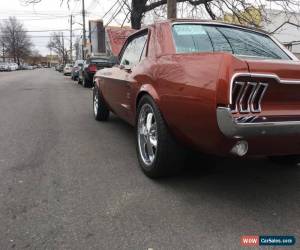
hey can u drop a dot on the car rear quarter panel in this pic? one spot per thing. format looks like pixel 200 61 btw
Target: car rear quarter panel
pixel 190 86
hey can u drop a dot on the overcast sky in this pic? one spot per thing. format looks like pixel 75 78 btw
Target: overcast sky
pixel 50 15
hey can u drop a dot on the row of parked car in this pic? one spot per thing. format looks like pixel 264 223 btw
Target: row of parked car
pixel 83 71
pixel 7 66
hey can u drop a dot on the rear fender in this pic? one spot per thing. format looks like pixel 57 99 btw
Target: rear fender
pixel 230 65
pixel 146 89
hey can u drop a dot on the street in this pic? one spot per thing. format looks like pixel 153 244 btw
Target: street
pixel 70 182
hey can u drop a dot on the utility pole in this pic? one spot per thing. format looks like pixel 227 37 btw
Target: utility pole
pixel 63 47
pixel 3 52
pixel 71 35
pixel 83 30
pixel 171 8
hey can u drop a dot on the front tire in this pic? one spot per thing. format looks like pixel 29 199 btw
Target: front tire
pixel 101 111
pixel 85 83
pixel 158 153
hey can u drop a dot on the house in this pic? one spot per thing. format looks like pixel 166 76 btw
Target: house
pixel 285 27
pixel 104 40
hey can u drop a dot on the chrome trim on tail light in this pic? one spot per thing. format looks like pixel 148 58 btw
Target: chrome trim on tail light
pixel 236 94
pixel 259 75
pixel 247 96
pixel 244 102
pixel 259 93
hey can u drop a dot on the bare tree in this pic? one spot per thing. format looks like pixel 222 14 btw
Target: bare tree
pixel 15 39
pixel 241 11
pixel 57 45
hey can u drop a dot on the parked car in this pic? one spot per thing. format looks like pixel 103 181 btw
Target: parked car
pixel 13 66
pixel 60 68
pixel 217 88
pixel 89 68
pixel 4 66
pixel 68 69
pixel 75 70
pixel 30 67
pixel 22 67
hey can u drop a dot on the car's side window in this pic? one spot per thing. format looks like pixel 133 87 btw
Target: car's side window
pixel 133 51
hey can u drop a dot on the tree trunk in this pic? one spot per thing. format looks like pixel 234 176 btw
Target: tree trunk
pixel 171 9
pixel 136 19
pixel 137 11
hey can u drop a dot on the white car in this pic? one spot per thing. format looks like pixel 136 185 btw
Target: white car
pixel 68 69
pixel 4 66
pixel 13 66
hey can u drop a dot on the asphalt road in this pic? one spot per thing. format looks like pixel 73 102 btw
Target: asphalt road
pixel 69 182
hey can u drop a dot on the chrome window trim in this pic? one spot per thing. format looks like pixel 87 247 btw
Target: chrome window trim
pixel 289 53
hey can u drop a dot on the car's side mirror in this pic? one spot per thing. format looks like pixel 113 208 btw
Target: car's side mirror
pixel 126 67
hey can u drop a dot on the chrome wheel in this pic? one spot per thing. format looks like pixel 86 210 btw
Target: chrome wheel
pixel 96 103
pixel 147 134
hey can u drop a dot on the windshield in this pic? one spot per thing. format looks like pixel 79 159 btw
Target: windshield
pixel 191 38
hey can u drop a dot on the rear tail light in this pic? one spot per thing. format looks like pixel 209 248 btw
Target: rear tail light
pixel 92 68
pixel 247 96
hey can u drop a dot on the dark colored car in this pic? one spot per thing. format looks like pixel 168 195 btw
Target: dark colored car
pixel 216 88
pixel 76 68
pixel 59 68
pixel 89 68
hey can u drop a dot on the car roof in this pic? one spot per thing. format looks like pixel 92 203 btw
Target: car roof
pixel 213 22
pixel 201 21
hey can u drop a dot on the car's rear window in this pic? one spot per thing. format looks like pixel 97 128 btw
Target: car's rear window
pixel 190 38
pixel 99 60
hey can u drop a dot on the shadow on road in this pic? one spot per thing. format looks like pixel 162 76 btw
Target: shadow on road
pixel 243 179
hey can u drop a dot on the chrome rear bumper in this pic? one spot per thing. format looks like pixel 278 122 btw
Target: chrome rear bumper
pixel 234 129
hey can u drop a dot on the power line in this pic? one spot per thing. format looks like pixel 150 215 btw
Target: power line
pixel 39 36
pixel 36 19
pixel 38 31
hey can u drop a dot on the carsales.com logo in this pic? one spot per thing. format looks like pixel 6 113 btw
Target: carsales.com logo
pixel 254 240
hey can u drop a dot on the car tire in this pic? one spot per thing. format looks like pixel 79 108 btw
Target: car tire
pixel 290 160
pixel 158 153
pixel 85 83
pixel 101 111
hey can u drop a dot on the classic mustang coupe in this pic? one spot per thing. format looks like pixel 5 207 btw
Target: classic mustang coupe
pixel 217 88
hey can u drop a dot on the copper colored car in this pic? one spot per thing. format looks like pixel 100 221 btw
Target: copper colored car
pixel 213 87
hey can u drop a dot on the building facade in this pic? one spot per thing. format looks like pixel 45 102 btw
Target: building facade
pixel 285 27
